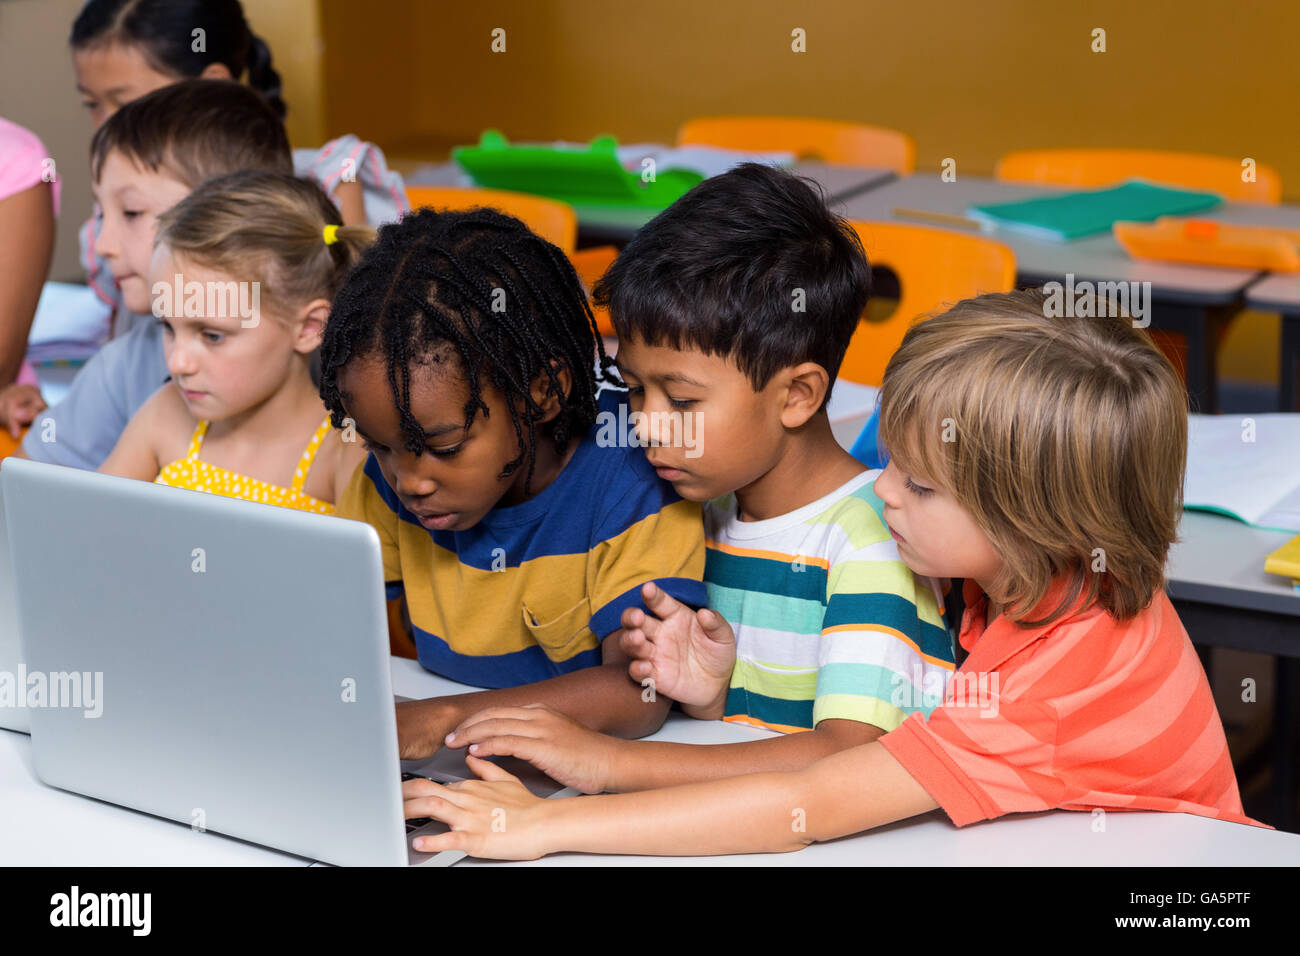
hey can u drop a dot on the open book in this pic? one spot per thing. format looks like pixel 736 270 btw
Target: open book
pixel 1245 466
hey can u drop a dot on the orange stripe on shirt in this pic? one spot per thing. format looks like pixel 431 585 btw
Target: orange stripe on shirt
pixel 813 560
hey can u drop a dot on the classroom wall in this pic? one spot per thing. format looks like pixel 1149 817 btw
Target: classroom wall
pixel 967 81
pixel 38 90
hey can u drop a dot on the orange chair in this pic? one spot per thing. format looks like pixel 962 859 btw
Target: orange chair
pixel 1101 167
pixel 9 444
pixel 935 268
pixel 830 141
pixel 553 220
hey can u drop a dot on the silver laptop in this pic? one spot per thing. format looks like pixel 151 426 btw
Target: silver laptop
pixel 13 676
pixel 216 662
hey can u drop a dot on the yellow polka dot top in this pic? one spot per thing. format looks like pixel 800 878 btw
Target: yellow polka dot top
pixel 190 472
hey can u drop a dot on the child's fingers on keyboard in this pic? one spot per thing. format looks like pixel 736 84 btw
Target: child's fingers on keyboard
pixel 418 787
pixel 438 842
pixel 495 726
pixel 496 713
pixel 509 745
pixel 430 804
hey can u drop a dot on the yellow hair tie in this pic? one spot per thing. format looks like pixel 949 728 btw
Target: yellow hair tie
pixel 331 235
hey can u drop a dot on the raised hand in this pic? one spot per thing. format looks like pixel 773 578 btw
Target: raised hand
pixel 688 654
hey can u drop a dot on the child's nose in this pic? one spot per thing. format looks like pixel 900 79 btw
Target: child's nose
pixel 106 242
pixel 887 486
pixel 409 481
pixel 180 361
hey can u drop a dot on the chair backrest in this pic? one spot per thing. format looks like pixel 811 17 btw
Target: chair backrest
pixel 553 220
pixel 830 141
pixel 935 268
pixel 1101 167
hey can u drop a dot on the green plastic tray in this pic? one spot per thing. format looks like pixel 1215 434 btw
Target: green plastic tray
pixel 582 177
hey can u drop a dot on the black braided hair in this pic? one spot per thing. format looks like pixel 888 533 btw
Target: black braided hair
pixel 479 285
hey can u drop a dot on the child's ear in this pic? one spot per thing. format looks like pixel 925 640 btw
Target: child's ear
pixel 215 71
pixel 310 320
pixel 547 399
pixel 805 387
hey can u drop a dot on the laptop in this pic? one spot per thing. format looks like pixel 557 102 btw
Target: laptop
pixel 13 676
pixel 217 662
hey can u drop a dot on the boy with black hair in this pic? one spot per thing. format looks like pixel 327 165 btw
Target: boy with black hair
pixel 734 309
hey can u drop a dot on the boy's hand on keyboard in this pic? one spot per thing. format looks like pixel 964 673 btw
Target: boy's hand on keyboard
pixel 688 654
pixel 19 406
pixel 494 817
pixel 422 726
pixel 554 743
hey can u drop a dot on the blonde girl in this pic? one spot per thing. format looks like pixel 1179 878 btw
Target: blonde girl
pixel 241 279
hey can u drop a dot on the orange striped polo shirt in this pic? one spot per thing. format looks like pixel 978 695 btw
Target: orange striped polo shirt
pixel 1085 712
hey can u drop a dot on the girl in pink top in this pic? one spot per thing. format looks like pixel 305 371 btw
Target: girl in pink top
pixel 29 203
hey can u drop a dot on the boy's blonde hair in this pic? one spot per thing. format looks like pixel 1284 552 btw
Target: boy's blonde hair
pixel 268 227
pixel 1064 438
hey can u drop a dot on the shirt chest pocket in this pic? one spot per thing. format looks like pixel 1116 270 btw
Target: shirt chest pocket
pixel 561 634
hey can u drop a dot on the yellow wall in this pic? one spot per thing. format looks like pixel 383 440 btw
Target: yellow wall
pixel 292 30
pixel 968 80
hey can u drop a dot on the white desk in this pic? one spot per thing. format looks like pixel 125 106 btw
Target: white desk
pixel 43 826
pixel 1059 838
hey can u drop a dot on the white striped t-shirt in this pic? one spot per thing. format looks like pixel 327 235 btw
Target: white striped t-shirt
pixel 829 621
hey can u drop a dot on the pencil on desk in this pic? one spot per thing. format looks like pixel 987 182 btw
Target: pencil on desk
pixel 937 218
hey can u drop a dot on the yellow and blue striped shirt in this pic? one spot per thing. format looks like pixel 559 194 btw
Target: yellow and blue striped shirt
pixel 530 591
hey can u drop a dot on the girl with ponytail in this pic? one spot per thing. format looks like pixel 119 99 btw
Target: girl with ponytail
pixel 242 276
pixel 141 45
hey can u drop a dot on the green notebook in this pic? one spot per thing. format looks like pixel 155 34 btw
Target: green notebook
pixel 582 177
pixel 1085 213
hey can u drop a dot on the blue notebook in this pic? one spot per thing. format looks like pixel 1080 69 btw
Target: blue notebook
pixel 1088 212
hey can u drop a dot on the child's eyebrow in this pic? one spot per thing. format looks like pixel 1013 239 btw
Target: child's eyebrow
pixel 113 92
pixel 666 377
pixel 434 432
pixel 205 320
pixel 437 430
pixel 679 377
